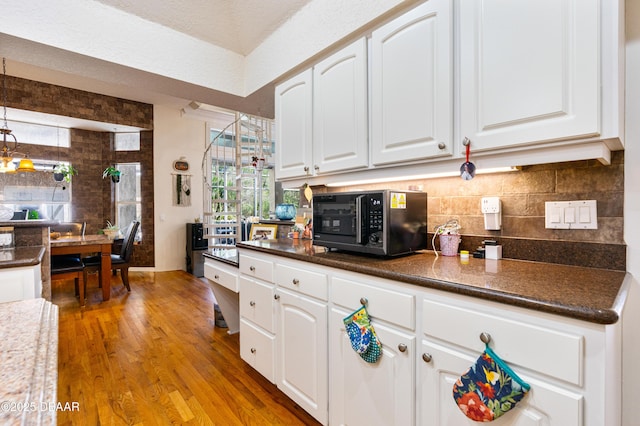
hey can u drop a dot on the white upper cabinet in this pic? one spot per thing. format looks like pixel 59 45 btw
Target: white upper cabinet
pixel 321 116
pixel 411 86
pixel 529 71
pixel 340 139
pixel 294 128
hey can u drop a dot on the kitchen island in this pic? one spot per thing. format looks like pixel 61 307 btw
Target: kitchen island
pixel 31 235
pixel 29 359
pixel 559 327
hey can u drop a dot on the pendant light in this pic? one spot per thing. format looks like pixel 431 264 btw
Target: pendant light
pixel 7 166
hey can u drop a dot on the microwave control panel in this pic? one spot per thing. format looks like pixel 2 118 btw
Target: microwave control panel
pixel 375 218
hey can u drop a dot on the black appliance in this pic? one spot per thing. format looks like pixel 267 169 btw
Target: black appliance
pixel 384 222
pixel 197 244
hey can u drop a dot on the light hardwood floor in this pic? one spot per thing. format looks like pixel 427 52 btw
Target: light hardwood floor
pixel 154 357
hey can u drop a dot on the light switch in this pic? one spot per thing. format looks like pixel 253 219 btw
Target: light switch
pixel 585 214
pixel 571 214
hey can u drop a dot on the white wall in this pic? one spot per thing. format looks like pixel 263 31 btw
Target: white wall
pixel 175 137
pixel 631 334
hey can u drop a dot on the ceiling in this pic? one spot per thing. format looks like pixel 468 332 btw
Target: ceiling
pixel 238 26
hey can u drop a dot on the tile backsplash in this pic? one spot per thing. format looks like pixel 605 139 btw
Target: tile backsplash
pixel 523 194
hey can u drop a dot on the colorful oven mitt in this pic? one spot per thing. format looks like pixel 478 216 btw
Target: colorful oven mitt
pixel 488 389
pixel 362 335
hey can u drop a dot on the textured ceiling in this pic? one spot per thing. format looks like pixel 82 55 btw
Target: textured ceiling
pixel 236 25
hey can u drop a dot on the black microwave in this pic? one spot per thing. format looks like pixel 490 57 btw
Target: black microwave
pixel 382 222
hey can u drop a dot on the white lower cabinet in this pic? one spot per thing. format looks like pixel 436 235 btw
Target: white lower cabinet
pixel 371 394
pixel 292 331
pixel 302 352
pixel 20 283
pixel 563 360
pixel 258 314
pixel 440 367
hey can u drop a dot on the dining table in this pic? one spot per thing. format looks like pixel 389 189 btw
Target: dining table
pixel 85 245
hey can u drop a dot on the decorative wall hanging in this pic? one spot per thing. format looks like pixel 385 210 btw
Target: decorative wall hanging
pixel 181 190
pixel 181 165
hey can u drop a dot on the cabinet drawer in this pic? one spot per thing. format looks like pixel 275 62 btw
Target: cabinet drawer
pixel 256 303
pixel 255 267
pixel 225 278
pixel 307 282
pixel 547 351
pixel 257 348
pixel 388 305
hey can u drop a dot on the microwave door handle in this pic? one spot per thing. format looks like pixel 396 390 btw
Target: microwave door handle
pixel 359 219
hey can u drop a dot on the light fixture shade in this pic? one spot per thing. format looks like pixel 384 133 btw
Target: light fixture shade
pixel 26 165
pixel 8 168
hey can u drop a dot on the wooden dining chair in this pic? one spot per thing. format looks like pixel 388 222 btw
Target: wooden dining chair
pixel 119 261
pixel 69 268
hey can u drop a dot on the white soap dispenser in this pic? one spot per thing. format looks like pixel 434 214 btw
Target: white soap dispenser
pixel 491 209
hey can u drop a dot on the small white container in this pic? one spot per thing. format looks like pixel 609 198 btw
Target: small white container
pixel 493 252
pixel 7 238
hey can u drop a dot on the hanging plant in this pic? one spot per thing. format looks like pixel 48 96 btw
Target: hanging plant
pixel 113 173
pixel 64 172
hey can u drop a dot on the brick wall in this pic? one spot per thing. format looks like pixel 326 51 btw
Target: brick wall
pixel 90 153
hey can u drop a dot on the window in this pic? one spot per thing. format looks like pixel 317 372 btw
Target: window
pixel 128 196
pixel 127 141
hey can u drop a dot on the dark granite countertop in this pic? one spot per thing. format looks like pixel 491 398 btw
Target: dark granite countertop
pixel 21 256
pixel 32 223
pixel 587 294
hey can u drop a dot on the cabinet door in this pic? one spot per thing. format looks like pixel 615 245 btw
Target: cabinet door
pixel 529 71
pixel 340 139
pixel 371 394
pixel 294 115
pixel 257 348
pixel 412 104
pixel 256 303
pixel 545 404
pixel 302 352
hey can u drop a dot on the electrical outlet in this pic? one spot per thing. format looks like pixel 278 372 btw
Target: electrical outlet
pixel 490 205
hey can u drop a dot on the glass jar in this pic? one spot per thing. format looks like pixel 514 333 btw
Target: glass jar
pixel 7 238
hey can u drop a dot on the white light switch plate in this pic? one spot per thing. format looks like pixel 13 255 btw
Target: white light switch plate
pixel 571 214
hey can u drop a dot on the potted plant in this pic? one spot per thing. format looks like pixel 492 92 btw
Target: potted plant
pixel 64 172
pixel 449 234
pixel 295 231
pixel 113 173
pixel 111 231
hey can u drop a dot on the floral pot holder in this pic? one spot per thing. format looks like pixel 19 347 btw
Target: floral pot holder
pixel 488 389
pixel 363 337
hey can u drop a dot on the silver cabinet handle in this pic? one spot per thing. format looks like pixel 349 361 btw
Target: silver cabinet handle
pixel 252 303
pixel 276 296
pixel 217 277
pixel 252 268
pixel 485 337
pixel 306 169
pixel 402 347
pixel 296 281
pixel 363 301
pixel 441 145
pixel 426 357
pixel 466 141
pixel 316 167
pixel 253 350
